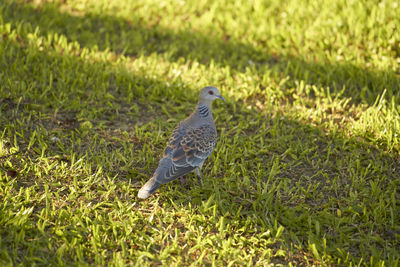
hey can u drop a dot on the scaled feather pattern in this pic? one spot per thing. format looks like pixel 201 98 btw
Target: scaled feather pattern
pixel 190 144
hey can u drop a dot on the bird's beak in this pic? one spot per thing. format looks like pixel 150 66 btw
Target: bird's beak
pixel 221 97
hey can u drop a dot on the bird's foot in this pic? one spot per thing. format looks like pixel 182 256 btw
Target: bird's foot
pixel 199 177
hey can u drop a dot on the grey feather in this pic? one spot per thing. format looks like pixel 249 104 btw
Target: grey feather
pixel 191 142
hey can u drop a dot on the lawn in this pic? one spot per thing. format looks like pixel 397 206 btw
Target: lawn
pixel 307 166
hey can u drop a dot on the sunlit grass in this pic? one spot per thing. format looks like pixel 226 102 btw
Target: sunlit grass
pixel 306 170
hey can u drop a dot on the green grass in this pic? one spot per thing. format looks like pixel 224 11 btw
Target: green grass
pixel 306 170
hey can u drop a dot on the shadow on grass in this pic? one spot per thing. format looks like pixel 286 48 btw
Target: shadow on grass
pixel 325 185
pixel 134 38
pixel 298 195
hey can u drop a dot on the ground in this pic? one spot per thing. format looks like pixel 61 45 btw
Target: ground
pixel 306 169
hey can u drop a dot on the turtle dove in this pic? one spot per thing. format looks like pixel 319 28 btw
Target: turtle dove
pixel 191 142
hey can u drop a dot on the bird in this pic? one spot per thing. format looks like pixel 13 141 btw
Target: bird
pixel 190 144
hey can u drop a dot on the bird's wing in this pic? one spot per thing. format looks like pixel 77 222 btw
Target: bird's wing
pixel 187 149
pixel 195 146
pixel 177 134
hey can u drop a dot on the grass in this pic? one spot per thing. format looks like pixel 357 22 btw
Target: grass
pixel 306 169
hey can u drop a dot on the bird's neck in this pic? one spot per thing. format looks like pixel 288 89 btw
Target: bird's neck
pixel 203 109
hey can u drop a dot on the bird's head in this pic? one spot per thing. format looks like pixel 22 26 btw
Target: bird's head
pixel 209 94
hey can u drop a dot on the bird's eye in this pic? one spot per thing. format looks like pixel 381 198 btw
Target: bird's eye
pixel 210 92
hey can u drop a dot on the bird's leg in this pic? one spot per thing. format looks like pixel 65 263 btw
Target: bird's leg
pixel 200 176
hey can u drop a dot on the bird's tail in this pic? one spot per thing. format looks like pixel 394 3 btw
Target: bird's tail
pixel 149 188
